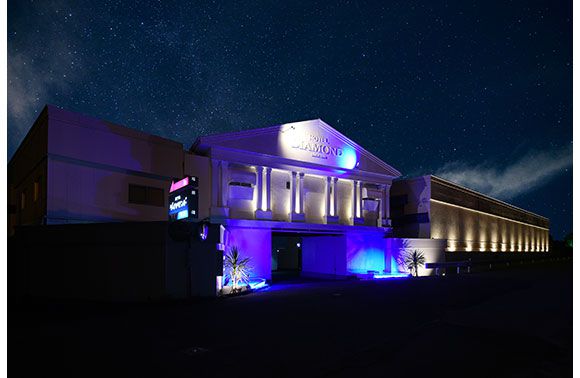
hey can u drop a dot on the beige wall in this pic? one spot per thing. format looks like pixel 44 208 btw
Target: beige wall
pixel 314 199
pixel 468 230
pixel 470 221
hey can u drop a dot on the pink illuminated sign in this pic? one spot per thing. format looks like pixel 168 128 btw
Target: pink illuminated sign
pixel 179 184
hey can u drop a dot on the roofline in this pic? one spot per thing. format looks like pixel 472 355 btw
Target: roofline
pixel 451 183
pixel 35 124
pixel 262 130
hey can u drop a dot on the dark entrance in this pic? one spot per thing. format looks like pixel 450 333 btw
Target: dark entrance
pixel 286 256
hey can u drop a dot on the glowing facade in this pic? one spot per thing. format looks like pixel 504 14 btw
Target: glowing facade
pixel 430 207
pixel 303 178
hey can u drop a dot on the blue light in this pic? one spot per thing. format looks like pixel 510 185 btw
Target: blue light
pixel 389 275
pixel 182 214
pixel 348 159
pixel 257 283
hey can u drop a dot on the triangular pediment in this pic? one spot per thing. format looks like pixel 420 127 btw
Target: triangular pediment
pixel 312 141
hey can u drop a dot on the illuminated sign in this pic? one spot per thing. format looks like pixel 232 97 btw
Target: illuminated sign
pixel 306 141
pixel 183 199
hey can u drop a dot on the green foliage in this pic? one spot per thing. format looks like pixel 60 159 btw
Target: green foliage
pixel 237 268
pixel 413 260
pixel 568 240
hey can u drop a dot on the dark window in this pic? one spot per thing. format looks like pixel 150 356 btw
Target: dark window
pixel 146 195
pixel 36 189
pixel 287 184
pixel 246 184
pixel 155 196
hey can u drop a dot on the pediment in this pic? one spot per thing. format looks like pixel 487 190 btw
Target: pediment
pixel 312 141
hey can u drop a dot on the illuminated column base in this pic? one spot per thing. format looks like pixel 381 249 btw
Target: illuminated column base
pixel 331 219
pixel 263 214
pixel 295 217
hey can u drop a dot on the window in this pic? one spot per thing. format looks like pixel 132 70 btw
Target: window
pixel 146 195
pixel 236 183
pixel 22 200
pixel 36 189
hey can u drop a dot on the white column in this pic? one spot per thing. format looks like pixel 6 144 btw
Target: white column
pixel 301 193
pixel 215 194
pixel 360 199
pixel 328 178
pixel 335 196
pixel 224 184
pixel 259 173
pixel 381 206
pixel 354 202
pixel 293 193
pixel 268 186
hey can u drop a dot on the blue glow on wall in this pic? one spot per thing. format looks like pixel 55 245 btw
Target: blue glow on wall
pixel 366 252
pixel 367 259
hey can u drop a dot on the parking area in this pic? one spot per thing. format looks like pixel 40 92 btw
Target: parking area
pixel 513 322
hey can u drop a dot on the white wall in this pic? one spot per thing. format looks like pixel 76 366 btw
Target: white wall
pixel 280 197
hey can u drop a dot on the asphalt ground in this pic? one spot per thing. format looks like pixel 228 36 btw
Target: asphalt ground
pixel 514 322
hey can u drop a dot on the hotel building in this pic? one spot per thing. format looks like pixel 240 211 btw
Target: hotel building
pixel 301 179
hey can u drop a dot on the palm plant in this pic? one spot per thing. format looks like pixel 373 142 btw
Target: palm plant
pixel 237 268
pixel 413 260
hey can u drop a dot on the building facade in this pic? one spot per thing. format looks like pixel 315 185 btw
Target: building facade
pixel 434 208
pixel 303 179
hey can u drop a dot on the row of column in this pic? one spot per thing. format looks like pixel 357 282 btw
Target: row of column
pixel 264 200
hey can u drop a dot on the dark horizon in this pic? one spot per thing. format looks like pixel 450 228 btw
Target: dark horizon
pixel 475 93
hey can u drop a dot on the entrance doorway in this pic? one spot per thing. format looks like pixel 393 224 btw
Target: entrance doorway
pixel 286 256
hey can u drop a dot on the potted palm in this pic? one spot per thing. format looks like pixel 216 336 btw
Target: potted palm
pixel 237 269
pixel 413 260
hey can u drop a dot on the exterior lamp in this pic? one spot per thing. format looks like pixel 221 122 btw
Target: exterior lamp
pixel 202 230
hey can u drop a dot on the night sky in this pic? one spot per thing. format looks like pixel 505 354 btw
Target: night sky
pixel 476 92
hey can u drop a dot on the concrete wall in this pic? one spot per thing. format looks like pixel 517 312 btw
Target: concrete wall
pixel 433 250
pixel 254 243
pixel 112 262
pixel 471 231
pixel 345 197
pixel 100 142
pixel 365 251
pixel 200 167
pixel 280 199
pixel 410 207
pixel 429 207
pixel 80 193
pixel 324 255
pixel 314 199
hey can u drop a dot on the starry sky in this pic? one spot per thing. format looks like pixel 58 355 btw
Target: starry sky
pixel 479 92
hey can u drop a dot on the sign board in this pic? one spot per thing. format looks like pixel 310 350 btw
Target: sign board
pixel 306 141
pixel 183 199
